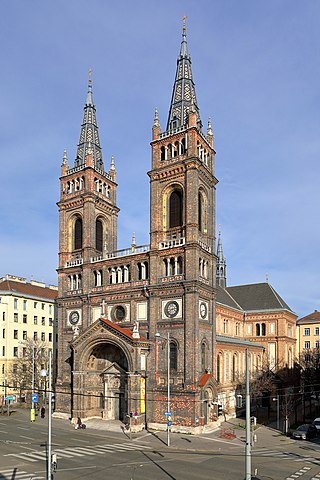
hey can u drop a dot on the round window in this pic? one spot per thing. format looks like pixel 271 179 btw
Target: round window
pixel 119 313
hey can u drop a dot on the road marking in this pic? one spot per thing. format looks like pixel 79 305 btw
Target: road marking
pixel 2 431
pixel 18 475
pixel 29 438
pixel 23 428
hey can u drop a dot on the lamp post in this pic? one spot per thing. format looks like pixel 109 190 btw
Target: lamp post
pixel 44 373
pixel 277 399
pixel 157 335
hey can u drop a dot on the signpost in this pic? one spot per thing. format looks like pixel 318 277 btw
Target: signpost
pixel 34 397
pixel 8 398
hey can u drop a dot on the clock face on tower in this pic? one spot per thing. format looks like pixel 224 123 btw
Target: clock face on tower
pixel 203 310
pixel 171 309
pixel 74 317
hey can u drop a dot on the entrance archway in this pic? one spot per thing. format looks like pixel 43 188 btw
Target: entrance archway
pixel 107 367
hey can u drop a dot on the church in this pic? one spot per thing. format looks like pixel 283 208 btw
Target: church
pixel 151 332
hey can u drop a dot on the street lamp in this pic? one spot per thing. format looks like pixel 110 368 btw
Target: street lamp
pixel 45 373
pixel 157 335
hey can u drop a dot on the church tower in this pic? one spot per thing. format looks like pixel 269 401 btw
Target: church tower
pixel 182 249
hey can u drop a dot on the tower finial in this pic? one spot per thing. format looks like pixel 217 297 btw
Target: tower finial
pixel 184 23
pixel 90 79
pixel 156 122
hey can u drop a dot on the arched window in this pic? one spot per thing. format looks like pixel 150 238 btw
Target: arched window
pixel 263 329
pixel 219 364
pixel 99 236
pixel 173 356
pixel 204 365
pixel 200 211
pixel 257 329
pixel 78 234
pixel 234 366
pixel 175 209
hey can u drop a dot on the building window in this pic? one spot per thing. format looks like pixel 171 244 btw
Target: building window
pixel 24 305
pixel 263 329
pixel 24 351
pixel 43 306
pixel 50 309
pixel 289 330
pixel 43 336
pixel 204 365
pixel 3 316
pixel 15 303
pixel 316 344
pixel 24 335
pixel 306 332
pixel 237 329
pixel 249 329
pixel 99 236
pixel 15 334
pixel 50 337
pixel 78 234
pixel 316 331
pixel 225 326
pixel 175 209
pixel 35 304
pixel 307 345
pixel 50 322
pixel 35 335
pixel 258 330
pixel 15 317
pixel 35 320
pixel 43 320
pixel 272 327
pixel 15 351
pixel 3 351
pixel 24 318
pixel 173 356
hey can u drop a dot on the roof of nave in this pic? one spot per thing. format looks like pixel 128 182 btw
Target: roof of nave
pixel 237 341
pixel 27 289
pixel 257 296
pixel 224 298
pixel 313 317
pixel 125 331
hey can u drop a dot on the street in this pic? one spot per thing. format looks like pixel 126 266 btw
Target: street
pixel 99 454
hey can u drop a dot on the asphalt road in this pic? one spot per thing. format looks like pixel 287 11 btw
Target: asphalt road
pixel 100 454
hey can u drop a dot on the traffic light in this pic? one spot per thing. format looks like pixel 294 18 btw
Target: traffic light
pixel 219 409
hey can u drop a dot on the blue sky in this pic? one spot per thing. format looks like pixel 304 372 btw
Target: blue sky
pixel 256 69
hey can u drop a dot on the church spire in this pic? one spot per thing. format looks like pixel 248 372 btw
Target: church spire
pixel 89 136
pixel 184 92
pixel 221 265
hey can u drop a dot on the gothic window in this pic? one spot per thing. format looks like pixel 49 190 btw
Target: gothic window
pixel 200 211
pixel 163 153
pixel 78 234
pixel 183 146
pixel 173 356
pixel 219 365
pixel 175 209
pixel 204 365
pixel 263 329
pixel 258 330
pixel 97 278
pixel 99 236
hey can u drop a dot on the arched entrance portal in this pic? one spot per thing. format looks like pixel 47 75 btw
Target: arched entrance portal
pixel 109 365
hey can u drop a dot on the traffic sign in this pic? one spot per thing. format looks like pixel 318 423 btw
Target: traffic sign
pixel 34 397
pixel 169 424
pixel 10 397
pixel 168 414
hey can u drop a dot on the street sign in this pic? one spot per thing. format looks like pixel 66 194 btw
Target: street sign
pixel 10 397
pixel 168 414
pixel 34 397
pixel 169 424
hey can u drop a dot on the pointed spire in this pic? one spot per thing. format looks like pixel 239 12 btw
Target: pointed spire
pixel 89 135
pixel 184 93
pixel 65 159
pixel 209 129
pixel 112 164
pixel 156 123
pixel 221 265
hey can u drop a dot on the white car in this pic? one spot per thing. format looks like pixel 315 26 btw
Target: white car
pixel 316 423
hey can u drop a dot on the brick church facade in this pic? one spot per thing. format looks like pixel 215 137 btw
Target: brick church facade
pixel 112 303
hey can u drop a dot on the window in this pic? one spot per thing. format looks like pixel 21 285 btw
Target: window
pixel 249 329
pixel 175 209
pixel 35 304
pixel 307 345
pixel 43 306
pixel 289 330
pixel 272 327
pixel 50 309
pixel 78 234
pixel 99 236
pixel 15 334
pixel 35 320
pixel 3 316
pixel 43 320
pixel 4 333
pixel 24 351
pixel 24 318
pixel 15 351
pixel 237 329
pixel 316 344
pixel 173 356
pixel 24 305
pixel 258 330
pixel 203 356
pixel 15 303
pixel 200 211
pixel 50 322
pixel 43 336
pixel 263 329
pixel 24 335
pixel 316 331
pixel 50 337
pixel 3 351
pixel 35 335
pixel 15 317
pixel 306 332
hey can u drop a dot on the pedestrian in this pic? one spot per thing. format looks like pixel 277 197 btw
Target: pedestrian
pixel 79 423
pixel 43 412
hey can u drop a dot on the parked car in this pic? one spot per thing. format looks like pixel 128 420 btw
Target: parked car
pixel 316 423
pixel 305 432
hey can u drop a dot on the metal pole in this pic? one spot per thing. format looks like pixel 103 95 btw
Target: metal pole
pixel 168 380
pixel 278 412
pixel 50 417
pixel 32 412
pixel 248 440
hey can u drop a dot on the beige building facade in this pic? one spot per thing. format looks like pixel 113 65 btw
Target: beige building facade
pixel 28 317
pixel 308 332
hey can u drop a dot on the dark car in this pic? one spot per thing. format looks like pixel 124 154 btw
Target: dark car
pixel 305 432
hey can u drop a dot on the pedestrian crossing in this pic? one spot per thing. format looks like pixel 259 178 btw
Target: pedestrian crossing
pixel 298 473
pixel 275 453
pixel 70 452
pixel 14 473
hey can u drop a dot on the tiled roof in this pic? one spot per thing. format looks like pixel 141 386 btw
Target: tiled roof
pixel 28 289
pixel 125 331
pixel 224 298
pixel 237 341
pixel 257 296
pixel 204 378
pixel 313 317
